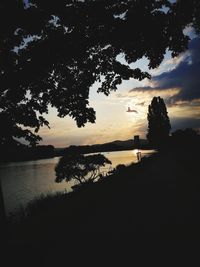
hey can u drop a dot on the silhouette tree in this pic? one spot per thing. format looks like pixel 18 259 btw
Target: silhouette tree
pixel 78 167
pixel 186 138
pixel 52 53
pixel 158 122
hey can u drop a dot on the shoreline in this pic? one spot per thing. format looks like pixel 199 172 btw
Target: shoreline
pixel 60 155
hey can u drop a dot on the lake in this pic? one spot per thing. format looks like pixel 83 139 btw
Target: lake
pixel 24 181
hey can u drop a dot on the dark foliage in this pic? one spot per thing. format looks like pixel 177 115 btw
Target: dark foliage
pixel 19 152
pixel 158 122
pixel 81 168
pixel 186 138
pixel 52 52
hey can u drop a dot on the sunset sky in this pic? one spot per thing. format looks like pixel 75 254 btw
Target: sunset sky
pixel 176 80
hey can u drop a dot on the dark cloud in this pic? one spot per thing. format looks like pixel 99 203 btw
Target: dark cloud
pixel 185 76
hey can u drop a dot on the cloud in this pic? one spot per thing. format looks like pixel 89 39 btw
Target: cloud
pixel 169 64
pixel 141 103
pixel 142 89
pixel 184 77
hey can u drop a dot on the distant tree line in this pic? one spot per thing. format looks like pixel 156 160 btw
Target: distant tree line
pixel 107 147
pixel 186 138
pixel 22 152
pixel 86 149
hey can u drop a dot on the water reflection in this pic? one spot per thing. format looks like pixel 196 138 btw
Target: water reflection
pixel 23 181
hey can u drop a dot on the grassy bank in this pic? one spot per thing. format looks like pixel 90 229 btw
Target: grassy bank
pixel 157 199
pixel 155 195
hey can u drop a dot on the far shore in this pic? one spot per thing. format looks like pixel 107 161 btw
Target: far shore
pixel 46 152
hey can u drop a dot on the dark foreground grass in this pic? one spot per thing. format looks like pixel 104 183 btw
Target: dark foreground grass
pixel 152 206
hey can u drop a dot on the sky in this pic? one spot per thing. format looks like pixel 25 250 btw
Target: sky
pixel 176 81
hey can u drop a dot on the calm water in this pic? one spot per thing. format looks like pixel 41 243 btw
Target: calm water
pixel 23 181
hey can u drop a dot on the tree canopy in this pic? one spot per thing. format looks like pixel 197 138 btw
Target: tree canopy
pixel 80 167
pixel 52 52
pixel 158 122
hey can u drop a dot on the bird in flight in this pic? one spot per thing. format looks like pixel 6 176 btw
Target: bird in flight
pixel 131 110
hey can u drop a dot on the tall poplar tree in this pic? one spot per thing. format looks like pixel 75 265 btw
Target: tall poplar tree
pixel 158 122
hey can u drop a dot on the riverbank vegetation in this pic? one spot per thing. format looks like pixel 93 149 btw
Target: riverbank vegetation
pixel 155 201
pixel 159 194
